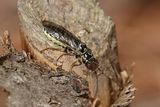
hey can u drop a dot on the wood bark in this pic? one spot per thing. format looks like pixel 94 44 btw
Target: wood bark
pixel 109 87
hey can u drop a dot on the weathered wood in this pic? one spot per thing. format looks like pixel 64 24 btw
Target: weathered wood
pixel 86 20
pixel 83 18
pixel 29 84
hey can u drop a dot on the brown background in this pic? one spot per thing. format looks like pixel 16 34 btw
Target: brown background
pixel 138 33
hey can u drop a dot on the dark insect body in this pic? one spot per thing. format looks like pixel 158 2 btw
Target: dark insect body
pixel 70 43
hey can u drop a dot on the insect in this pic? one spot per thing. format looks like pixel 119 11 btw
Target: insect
pixel 70 44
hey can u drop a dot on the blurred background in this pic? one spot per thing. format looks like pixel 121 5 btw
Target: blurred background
pixel 138 32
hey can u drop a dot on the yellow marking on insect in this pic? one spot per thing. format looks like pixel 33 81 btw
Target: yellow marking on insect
pixel 55 41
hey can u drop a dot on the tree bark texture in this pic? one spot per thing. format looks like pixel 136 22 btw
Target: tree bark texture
pixel 109 87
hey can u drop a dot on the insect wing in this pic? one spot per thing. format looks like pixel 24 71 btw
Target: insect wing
pixel 61 34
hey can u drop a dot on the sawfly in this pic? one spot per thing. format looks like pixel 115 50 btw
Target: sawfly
pixel 69 43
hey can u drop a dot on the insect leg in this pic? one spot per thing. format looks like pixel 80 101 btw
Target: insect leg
pixel 51 48
pixel 64 55
pixel 54 49
pixel 76 63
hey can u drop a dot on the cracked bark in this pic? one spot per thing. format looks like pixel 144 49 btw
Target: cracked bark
pixel 36 85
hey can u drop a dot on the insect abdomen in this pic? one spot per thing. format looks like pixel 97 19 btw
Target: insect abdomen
pixel 61 34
